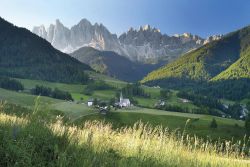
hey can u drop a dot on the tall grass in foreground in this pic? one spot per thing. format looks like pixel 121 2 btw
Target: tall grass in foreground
pixel 32 141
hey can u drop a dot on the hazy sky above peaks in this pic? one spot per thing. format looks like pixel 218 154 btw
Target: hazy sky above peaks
pixel 201 17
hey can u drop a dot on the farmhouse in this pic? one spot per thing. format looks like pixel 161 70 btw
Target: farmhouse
pixel 123 102
pixel 160 103
pixel 90 102
pixel 184 100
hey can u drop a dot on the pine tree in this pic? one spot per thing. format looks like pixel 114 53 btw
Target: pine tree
pixel 213 124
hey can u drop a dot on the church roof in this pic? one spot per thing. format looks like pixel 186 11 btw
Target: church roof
pixel 125 101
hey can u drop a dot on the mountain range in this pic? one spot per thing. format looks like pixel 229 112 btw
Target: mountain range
pixel 220 67
pixel 146 44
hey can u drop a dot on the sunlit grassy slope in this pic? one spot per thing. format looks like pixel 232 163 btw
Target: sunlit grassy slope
pixel 24 99
pixel 199 124
pixel 37 141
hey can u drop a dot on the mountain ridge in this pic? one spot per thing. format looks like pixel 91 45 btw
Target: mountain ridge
pixel 112 64
pixel 214 61
pixel 145 44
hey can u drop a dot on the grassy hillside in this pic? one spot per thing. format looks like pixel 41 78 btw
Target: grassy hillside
pixel 110 80
pixel 240 69
pixel 210 60
pixel 79 111
pixel 28 141
pixel 25 55
pixel 24 99
pixel 72 88
pixel 199 124
pixel 112 64
pixel 75 110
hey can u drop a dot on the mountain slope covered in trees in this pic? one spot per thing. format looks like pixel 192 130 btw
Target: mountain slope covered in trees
pixel 25 55
pixel 228 58
pixel 113 64
pixel 219 69
pixel 241 68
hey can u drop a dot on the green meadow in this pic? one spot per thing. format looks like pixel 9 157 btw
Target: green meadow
pixel 79 112
pixel 61 133
pixel 48 141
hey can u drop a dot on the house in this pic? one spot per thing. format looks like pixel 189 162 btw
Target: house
pixel 244 112
pixel 160 103
pixel 124 102
pixel 225 106
pixel 184 100
pixel 90 102
pixel 103 110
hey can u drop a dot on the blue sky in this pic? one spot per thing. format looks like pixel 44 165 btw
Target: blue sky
pixel 202 17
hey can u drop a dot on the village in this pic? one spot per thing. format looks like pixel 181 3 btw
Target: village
pixel 104 107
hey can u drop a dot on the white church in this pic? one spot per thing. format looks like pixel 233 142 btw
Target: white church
pixel 124 102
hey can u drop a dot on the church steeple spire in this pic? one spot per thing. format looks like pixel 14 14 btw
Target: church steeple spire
pixel 121 97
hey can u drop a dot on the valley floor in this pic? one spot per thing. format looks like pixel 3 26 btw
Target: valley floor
pixel 52 132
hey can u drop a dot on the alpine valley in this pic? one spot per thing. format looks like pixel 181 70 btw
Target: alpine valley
pixel 83 96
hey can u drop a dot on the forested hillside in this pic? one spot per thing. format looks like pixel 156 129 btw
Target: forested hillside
pixel 220 68
pixel 25 55
pixel 230 53
pixel 113 64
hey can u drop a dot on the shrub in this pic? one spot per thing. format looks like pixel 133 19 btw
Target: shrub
pixel 56 93
pixel 59 94
pixel 213 124
pixel 41 90
pixel 11 84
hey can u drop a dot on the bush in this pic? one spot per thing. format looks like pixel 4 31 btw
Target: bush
pixel 59 94
pixel 56 93
pixel 41 90
pixel 213 124
pixel 11 84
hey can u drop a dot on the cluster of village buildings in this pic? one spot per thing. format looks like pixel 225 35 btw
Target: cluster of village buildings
pixel 123 102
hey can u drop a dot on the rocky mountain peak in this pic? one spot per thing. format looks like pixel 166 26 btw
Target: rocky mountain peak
pixel 40 30
pixel 84 22
pixel 213 38
pixel 146 27
pixel 143 44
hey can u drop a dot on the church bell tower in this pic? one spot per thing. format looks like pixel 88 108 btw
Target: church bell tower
pixel 121 97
